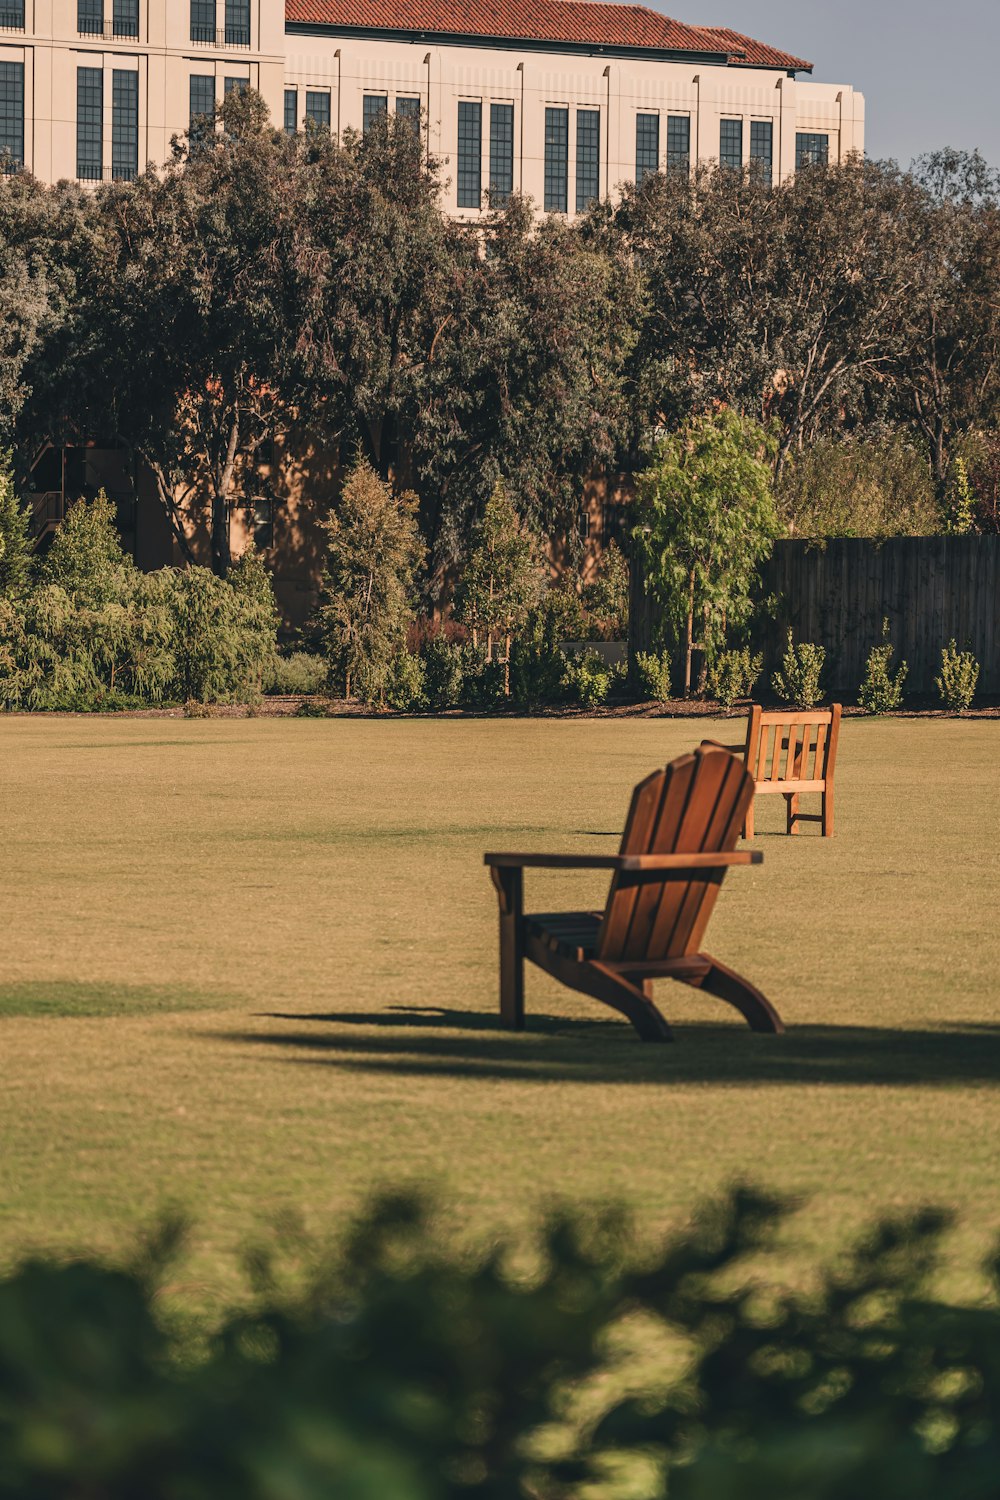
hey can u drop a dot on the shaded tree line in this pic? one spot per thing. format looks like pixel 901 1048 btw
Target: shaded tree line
pixel 262 281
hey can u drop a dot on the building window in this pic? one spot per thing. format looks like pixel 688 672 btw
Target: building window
pixel 262 521
pixel 374 107
pixel 470 154
pixel 408 108
pixel 89 124
pixel 679 144
pixel 203 21
pixel 731 144
pixel 12 16
pixel 124 125
pixel 202 104
pixel 811 151
pixel 588 158
pixel 11 116
pixel 90 17
pixel 501 154
pixel 647 146
pixel 235 86
pixel 237 23
pixel 556 160
pixel 762 147
pixel 125 19
pixel 318 108
pixel 291 111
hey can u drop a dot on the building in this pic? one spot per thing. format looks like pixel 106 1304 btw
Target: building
pixel 559 99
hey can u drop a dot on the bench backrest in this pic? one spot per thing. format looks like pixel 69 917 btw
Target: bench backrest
pixel 796 749
pixel 695 806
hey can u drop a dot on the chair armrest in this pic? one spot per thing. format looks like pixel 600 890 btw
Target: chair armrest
pixel 739 749
pixel 626 862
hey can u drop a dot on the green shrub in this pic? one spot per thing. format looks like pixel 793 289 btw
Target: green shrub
pixel 880 692
pixel 392 1365
pixel 733 675
pixel 587 679
pixel 298 672
pixel 483 681
pixel 859 487
pixel 536 663
pixel 651 671
pixel 444 672
pixel 15 536
pixel 959 678
pixel 404 688
pixel 798 681
pixel 225 630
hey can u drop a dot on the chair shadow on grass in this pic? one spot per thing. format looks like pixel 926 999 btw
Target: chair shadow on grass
pixel 436 1041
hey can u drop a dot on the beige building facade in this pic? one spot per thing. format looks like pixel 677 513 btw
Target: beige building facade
pixel 562 100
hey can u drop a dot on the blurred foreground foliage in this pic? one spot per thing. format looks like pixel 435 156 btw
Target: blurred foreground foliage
pixel 397 1368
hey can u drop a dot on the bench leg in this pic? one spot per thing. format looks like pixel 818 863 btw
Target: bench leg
pixel 727 985
pixel 827 814
pixel 509 886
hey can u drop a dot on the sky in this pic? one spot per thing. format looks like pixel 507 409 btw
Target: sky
pixel 930 72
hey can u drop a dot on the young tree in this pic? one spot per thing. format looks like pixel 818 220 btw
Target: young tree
pixel 501 579
pixel 373 552
pixel 706 519
pixel 15 538
pixel 86 559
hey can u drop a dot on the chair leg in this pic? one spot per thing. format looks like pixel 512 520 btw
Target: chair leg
pixel 727 985
pixel 792 800
pixel 510 893
pixel 635 1001
pixel 748 823
pixel 826 825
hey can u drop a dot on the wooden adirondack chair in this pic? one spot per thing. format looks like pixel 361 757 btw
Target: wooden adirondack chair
pixel 679 841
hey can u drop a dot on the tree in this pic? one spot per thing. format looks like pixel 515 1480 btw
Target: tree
pixel 183 329
pixel 373 552
pixel 947 378
pixel 706 519
pixel 501 579
pixel 15 538
pixel 40 233
pixel 783 302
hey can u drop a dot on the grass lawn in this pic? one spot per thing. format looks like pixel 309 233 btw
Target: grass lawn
pixel 252 964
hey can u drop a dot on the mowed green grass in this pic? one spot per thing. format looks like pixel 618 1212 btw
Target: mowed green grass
pixel 250 965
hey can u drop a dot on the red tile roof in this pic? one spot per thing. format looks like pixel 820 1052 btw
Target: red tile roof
pixel 588 23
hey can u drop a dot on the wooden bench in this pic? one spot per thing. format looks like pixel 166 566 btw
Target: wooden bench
pixel 679 842
pixel 791 753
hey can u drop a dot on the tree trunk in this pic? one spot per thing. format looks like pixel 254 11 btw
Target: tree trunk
pixel 689 642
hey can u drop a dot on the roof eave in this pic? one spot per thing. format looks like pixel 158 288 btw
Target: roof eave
pixel 510 43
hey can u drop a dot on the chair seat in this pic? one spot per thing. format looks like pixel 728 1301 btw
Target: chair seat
pixel 572 934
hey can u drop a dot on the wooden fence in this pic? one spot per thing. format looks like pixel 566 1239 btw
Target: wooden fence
pixel 931 589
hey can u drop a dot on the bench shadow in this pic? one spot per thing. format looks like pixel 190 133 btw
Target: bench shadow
pixel 437 1041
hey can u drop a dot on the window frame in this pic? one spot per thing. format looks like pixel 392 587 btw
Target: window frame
pixel 727 156
pixel 556 180
pixel 90 131
pixel 588 158
pixel 124 124
pixel 469 155
pixel 804 160
pixel 647 144
pixel 12 84
pixel 501 152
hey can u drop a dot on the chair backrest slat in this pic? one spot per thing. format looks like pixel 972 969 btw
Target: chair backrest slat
pixel 696 805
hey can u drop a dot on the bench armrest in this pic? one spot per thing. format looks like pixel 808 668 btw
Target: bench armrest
pixel 626 862
pixel 739 749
